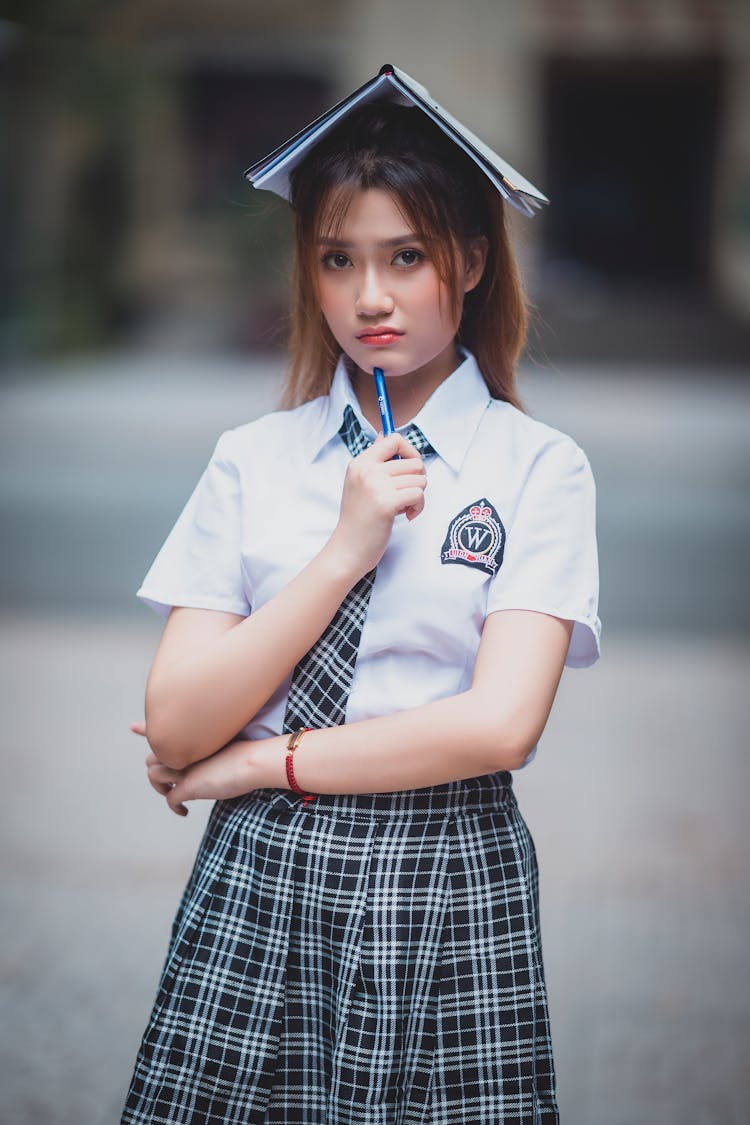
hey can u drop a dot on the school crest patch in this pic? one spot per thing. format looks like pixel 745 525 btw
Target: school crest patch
pixel 476 537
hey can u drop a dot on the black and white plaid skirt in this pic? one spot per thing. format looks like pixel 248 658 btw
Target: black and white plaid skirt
pixel 364 960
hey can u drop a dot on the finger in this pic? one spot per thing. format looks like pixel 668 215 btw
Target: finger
pixel 408 450
pixel 138 727
pixel 404 466
pixel 413 480
pixel 405 449
pixel 164 774
pixel 411 500
pixel 161 787
pixel 174 802
pixel 386 448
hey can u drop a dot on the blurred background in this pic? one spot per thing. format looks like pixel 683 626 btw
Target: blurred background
pixel 142 311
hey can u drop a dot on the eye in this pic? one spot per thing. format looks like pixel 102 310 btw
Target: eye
pixel 408 258
pixel 335 260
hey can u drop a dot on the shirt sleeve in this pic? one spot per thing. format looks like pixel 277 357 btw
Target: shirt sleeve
pixel 550 563
pixel 199 564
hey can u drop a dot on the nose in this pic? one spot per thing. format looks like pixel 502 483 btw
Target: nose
pixel 373 298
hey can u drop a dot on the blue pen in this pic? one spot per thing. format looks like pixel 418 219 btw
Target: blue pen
pixel 383 404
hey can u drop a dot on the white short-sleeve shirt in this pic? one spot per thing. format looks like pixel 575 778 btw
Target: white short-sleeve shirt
pixel 508 523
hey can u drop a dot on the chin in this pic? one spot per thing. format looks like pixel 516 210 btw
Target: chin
pixel 390 366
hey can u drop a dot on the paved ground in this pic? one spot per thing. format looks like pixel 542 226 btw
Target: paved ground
pixel 638 800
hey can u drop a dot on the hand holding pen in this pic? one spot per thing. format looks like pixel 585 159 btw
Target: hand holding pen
pixel 384 481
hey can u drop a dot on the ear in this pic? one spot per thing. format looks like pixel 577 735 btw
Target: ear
pixel 475 261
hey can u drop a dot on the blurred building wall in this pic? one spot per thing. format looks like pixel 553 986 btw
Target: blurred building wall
pixel 683 37
pixel 126 217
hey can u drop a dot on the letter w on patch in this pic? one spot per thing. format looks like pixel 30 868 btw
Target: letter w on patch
pixel 476 537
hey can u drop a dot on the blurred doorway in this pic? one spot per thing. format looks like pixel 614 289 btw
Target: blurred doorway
pixel 240 116
pixel 630 152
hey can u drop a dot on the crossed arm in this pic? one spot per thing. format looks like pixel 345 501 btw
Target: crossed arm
pixel 492 726
pixel 213 671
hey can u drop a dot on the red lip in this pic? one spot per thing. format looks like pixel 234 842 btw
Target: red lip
pixel 379 337
pixel 378 330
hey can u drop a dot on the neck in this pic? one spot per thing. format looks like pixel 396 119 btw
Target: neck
pixel 407 394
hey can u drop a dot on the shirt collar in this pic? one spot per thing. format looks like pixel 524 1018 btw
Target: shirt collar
pixel 333 405
pixel 448 419
pixel 451 415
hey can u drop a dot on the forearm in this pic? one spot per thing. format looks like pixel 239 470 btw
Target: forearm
pixel 198 702
pixel 492 726
pixel 466 735
pixel 448 740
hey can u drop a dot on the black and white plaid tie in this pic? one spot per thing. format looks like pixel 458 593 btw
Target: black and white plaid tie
pixel 322 680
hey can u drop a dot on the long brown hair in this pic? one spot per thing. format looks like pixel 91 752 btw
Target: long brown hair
pixel 447 201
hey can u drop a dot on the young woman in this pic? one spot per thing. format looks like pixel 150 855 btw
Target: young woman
pixel 359 939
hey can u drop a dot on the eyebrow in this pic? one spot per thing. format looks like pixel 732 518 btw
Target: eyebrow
pixel 342 244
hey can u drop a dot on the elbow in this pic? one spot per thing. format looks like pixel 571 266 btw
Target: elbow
pixel 508 752
pixel 169 739
pixel 170 755
pixel 507 741
pixel 168 747
pixel 175 727
pixel 519 752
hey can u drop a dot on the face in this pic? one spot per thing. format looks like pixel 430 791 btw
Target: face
pixel 382 297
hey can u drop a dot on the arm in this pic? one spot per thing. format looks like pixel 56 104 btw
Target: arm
pixel 213 671
pixel 492 726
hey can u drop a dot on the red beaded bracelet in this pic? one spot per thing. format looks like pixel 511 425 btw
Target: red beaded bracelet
pixel 294 740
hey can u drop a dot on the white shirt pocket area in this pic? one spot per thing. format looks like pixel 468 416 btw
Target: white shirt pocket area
pixel 551 560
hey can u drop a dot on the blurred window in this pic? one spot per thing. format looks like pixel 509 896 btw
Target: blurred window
pixel 234 118
pixel 631 152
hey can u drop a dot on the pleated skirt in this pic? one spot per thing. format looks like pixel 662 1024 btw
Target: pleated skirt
pixel 361 960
